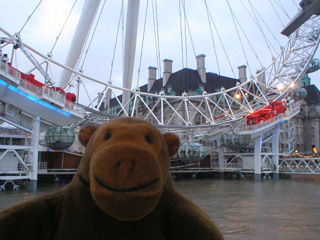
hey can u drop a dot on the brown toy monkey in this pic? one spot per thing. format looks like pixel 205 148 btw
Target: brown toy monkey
pixel 122 190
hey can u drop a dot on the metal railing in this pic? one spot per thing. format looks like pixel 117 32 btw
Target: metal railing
pixel 41 92
pixel 42 167
pixel 7 70
pixel 300 165
pixel 286 115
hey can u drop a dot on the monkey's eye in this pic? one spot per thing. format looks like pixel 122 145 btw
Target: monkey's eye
pixel 148 139
pixel 107 136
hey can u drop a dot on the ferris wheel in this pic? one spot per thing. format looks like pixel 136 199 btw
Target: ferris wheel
pixel 179 113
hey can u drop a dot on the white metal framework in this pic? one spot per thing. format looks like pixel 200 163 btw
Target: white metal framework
pixel 216 109
pixel 300 165
pixel 218 112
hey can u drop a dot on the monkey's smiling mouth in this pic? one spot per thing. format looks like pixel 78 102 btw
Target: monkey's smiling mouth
pixel 133 189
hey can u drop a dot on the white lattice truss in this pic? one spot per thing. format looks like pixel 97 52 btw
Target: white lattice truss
pixel 23 168
pixel 215 109
pixel 300 165
pixel 244 163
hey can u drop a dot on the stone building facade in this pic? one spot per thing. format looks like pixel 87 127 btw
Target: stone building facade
pixel 183 82
pixel 300 134
pixel 307 122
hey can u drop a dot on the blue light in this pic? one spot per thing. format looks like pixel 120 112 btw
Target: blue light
pixel 63 112
pixel 33 98
pixel 4 83
pixel 14 89
pixel 18 91
pixel 47 105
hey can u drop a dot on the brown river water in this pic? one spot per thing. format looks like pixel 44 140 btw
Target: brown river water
pixel 242 209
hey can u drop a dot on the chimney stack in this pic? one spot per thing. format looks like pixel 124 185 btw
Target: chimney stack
pixel 242 71
pixel 201 67
pixel 152 77
pixel 107 99
pixel 167 70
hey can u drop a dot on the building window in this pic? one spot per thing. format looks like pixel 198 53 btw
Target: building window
pixel 198 119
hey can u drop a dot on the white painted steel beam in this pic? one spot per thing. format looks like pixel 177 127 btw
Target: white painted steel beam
pixel 221 155
pixel 286 68
pixel 14 147
pixel 130 47
pixel 275 151
pixel 35 151
pixel 309 7
pixel 79 38
pixel 257 157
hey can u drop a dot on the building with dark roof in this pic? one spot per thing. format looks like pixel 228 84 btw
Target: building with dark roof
pixel 189 81
pixel 313 95
pixel 306 125
pixel 185 81
pixel 301 133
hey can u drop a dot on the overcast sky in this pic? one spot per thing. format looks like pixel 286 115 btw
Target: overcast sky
pixel 45 24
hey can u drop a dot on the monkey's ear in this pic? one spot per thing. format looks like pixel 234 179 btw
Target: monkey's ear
pixel 173 142
pixel 85 134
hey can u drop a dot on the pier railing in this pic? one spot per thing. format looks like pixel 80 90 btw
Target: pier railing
pixel 44 92
pixel 291 112
pixel 300 165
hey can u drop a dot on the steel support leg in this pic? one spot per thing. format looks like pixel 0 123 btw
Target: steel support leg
pixel 275 150
pixel 257 158
pixel 221 159
pixel 130 47
pixel 35 151
pixel 89 11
